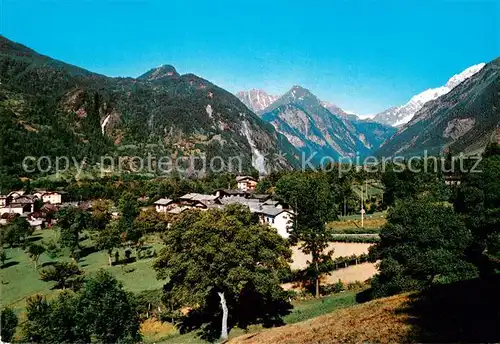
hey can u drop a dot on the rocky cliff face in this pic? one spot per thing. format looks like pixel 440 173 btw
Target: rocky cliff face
pixel 310 127
pixel 256 100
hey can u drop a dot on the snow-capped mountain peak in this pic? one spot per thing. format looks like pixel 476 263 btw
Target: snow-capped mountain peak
pixel 459 78
pixel 399 115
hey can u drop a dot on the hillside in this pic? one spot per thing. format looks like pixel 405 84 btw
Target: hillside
pixel 460 312
pixel 374 322
pixel 464 120
pixel 55 109
pixel 312 128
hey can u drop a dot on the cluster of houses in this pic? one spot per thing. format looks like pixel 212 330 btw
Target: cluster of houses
pixel 274 213
pixel 19 203
pixel 269 211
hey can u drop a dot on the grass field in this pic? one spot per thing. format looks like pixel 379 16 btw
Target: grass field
pixel 20 279
pixel 351 224
pixel 460 312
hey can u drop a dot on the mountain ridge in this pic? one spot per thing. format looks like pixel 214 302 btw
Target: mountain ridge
pixel 313 129
pixel 72 109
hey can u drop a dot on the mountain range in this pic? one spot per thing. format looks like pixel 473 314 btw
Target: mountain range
pixel 460 116
pixel 399 115
pixel 50 108
pixel 317 128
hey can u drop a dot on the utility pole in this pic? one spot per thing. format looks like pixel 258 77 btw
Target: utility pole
pixel 362 207
pixel 366 188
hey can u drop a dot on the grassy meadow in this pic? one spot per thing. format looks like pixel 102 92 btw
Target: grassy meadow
pixel 20 279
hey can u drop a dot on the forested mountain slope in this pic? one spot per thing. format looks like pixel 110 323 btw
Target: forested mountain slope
pixel 52 108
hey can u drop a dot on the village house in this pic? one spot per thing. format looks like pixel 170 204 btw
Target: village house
pixel 452 180
pixel 259 197
pixel 246 183
pixel 273 213
pixel 253 204
pixel 200 201
pixel 19 205
pixel 5 200
pixel 277 218
pixel 15 194
pixel 188 201
pixel 53 197
pixel 163 205
pixel 269 212
pixel 12 208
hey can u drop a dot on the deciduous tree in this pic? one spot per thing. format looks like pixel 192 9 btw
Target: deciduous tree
pixel 108 311
pixel 312 199
pixel 216 258
pixel 65 274
pixel 109 239
pixel 101 311
pixel 73 221
pixel 478 201
pixel 8 325
pixel 421 242
pixel 35 251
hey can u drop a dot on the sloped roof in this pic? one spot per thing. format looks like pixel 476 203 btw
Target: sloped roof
pixel 271 211
pixel 239 200
pixel 242 178
pixel 178 210
pixel 15 206
pixel 198 197
pixel 25 200
pixel 260 196
pixel 19 193
pixel 163 201
pixel 232 192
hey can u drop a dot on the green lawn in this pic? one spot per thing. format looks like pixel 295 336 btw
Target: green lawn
pixel 374 190
pixel 20 279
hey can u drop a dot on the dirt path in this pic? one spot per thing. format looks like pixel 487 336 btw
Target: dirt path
pixel 353 273
pixel 341 249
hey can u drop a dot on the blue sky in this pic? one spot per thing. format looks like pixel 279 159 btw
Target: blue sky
pixel 362 55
